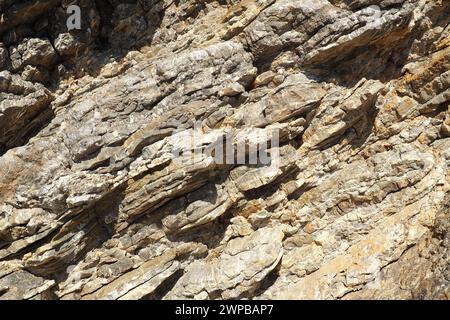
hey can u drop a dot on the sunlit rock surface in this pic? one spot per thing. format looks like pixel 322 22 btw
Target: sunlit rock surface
pixel 97 198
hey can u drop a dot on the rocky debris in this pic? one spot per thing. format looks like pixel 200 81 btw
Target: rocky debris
pixel 113 179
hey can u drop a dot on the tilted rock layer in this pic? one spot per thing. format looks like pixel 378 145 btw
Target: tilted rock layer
pixel 94 204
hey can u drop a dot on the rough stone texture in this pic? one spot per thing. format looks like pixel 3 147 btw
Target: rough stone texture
pixel 95 204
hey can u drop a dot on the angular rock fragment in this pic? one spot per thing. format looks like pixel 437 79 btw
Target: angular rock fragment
pixel 34 52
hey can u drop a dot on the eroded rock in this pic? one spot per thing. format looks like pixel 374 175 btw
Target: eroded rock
pixel 115 183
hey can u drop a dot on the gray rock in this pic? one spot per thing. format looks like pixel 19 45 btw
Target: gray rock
pixel 35 52
pixel 4 56
pixel 113 179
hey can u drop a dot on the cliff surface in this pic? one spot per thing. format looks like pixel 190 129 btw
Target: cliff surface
pixel 99 198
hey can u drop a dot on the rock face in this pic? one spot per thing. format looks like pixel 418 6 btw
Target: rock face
pixel 100 197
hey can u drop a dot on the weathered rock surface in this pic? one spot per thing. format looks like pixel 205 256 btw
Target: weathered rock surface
pixel 100 197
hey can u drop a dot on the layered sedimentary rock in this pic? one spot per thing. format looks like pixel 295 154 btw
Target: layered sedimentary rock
pixel 101 199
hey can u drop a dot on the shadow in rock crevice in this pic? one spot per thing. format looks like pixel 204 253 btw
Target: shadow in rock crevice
pixel 376 62
pixel 118 34
pixel 165 287
pixel 23 134
pixel 79 234
pixel 124 27
pixel 385 58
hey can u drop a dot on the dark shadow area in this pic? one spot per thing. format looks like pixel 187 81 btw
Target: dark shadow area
pixel 18 124
pixel 30 128
pixel 164 288
pixel 268 281
pixel 109 30
pixel 122 28
pixel 364 128
pixel 210 234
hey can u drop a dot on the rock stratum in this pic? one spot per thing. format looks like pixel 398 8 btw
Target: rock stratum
pixel 94 205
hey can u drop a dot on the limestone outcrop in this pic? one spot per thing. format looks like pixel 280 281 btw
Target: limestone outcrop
pixel 102 198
